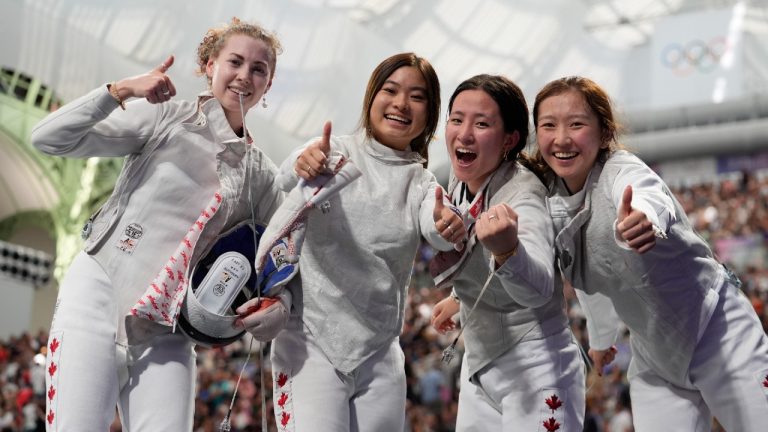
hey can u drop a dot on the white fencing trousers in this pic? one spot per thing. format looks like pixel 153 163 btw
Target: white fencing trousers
pixel 537 385
pixel 88 374
pixel 310 395
pixel 728 377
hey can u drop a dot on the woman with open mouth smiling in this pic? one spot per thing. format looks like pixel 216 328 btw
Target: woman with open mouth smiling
pixel 627 247
pixel 521 369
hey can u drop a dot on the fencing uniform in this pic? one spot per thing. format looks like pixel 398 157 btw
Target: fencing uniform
pixel 338 365
pixel 697 346
pixel 182 183
pixel 521 370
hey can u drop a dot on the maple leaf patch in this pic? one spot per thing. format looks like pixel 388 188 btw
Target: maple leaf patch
pixel 551 424
pixel 282 379
pixel 282 400
pixel 553 402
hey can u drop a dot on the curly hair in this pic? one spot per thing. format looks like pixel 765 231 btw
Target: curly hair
pixel 216 37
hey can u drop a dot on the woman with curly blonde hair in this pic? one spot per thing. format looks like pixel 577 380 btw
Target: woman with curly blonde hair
pixel 112 339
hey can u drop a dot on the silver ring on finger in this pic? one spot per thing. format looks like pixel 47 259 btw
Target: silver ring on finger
pixel 166 92
pixel 450 229
pixel 493 216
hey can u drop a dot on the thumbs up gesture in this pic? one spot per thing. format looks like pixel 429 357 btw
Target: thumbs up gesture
pixel 633 225
pixel 447 222
pixel 312 160
pixel 154 85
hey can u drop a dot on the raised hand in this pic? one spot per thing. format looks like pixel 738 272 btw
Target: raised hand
pixel 497 230
pixel 633 225
pixel 442 315
pixel 447 222
pixel 602 358
pixel 154 85
pixel 312 160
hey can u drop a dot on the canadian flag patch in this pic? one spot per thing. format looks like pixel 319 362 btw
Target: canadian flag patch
pixel 53 368
pixel 283 400
pixel 552 417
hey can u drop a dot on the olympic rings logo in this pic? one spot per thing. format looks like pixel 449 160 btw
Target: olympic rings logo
pixel 695 55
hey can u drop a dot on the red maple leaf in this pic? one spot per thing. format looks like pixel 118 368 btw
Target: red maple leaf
pixel 153 301
pixel 54 345
pixel 765 382
pixel 285 418
pixel 52 369
pixel 551 424
pixel 554 402
pixel 50 417
pixel 51 393
pixel 283 399
pixel 282 379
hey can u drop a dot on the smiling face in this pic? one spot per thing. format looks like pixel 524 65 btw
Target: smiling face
pixel 398 112
pixel 241 67
pixel 569 136
pixel 475 137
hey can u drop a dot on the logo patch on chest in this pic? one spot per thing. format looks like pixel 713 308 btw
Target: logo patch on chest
pixel 129 240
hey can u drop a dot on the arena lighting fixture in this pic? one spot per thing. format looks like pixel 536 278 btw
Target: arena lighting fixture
pixel 25 264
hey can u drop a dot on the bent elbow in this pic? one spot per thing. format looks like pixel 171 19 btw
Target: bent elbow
pixel 533 295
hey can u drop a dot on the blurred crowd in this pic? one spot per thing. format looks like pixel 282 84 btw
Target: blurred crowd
pixel 22 382
pixel 730 212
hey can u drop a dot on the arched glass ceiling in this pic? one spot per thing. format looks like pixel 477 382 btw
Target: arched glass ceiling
pixel 332 45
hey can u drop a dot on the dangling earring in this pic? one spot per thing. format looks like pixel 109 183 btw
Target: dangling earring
pixel 504 156
pixel 264 101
